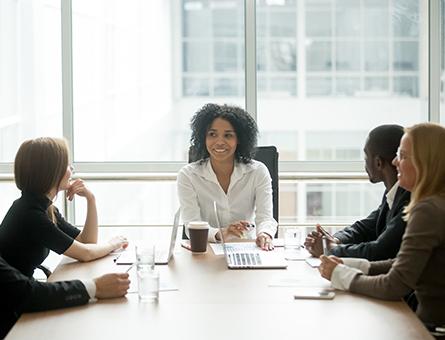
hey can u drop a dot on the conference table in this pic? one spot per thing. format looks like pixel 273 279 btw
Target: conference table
pixel 210 301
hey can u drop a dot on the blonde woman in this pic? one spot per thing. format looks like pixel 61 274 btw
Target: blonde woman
pixel 33 226
pixel 420 263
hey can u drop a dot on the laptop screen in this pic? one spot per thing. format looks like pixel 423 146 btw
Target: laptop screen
pixel 218 223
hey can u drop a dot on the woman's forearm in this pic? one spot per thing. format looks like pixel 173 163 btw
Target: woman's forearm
pixel 90 231
pixel 88 252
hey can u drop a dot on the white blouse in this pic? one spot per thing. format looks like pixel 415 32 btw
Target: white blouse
pixel 249 197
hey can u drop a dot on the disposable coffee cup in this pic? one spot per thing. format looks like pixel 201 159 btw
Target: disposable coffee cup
pixel 198 234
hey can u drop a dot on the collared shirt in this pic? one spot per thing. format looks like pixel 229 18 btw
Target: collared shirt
pixel 248 198
pixel 343 274
pixel 391 195
pixel 91 288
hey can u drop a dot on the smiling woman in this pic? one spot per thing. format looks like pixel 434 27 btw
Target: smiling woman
pixel 420 262
pixel 223 144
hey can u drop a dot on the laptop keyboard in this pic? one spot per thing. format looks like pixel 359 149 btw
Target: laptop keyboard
pixel 245 259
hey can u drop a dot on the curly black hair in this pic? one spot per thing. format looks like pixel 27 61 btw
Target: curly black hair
pixel 245 127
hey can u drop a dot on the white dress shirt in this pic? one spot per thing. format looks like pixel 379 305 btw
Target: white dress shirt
pixel 90 287
pixel 391 195
pixel 343 274
pixel 249 197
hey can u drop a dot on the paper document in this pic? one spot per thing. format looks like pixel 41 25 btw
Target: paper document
pixel 217 248
pixel 314 262
pixel 295 281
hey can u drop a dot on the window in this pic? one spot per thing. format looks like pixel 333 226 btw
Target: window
pixel 30 68
pixel 327 72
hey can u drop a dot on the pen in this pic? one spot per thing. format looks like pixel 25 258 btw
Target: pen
pixel 186 245
pixel 325 248
pixel 249 227
pixel 117 257
pixel 130 267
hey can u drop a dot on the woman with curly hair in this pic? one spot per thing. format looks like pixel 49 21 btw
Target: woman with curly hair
pixel 223 143
pixel 420 262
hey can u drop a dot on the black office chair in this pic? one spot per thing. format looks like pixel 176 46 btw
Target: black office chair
pixel 268 155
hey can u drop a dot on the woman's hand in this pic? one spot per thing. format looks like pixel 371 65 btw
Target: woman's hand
pixel 264 241
pixel 235 230
pixel 118 242
pixel 79 188
pixel 328 265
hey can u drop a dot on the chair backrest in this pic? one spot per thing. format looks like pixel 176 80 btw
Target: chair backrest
pixel 268 155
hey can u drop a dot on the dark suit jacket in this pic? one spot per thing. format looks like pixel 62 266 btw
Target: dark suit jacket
pixel 375 237
pixel 20 294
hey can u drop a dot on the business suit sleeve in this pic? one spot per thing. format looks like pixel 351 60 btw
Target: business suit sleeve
pixel 386 245
pixel 20 294
pixel 361 231
pixel 27 295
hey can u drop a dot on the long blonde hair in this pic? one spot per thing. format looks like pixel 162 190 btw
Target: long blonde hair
pixel 428 143
pixel 40 165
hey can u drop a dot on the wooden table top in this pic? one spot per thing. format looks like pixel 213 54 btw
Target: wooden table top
pixel 214 302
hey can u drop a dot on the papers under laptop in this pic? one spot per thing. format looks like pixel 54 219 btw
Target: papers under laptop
pixel 163 255
pixel 240 255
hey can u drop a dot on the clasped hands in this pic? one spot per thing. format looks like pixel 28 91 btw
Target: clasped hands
pixel 313 242
pixel 327 265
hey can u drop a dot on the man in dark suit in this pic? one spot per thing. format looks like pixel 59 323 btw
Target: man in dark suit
pixel 20 294
pixel 378 236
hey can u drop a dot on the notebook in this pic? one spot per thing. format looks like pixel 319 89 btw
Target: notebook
pixel 163 255
pixel 240 255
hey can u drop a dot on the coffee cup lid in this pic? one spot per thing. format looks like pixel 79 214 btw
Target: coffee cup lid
pixel 198 224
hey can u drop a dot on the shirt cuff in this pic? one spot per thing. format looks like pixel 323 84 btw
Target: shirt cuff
pixel 268 229
pixel 342 276
pixel 212 233
pixel 90 286
pixel 361 264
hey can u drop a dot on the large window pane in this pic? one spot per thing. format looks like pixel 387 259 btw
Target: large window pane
pixel 30 73
pixel 142 68
pixel 328 202
pixel 139 203
pixel 354 59
pixel 359 64
pixel 122 69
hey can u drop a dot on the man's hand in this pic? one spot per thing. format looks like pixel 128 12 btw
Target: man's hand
pixel 112 285
pixel 313 242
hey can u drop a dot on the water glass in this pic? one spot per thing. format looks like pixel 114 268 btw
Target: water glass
pixel 292 243
pixel 148 285
pixel 145 256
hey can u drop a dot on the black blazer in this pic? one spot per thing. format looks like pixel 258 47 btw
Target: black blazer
pixel 20 294
pixel 375 237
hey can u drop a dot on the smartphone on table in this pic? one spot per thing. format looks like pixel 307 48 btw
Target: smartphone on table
pixel 316 295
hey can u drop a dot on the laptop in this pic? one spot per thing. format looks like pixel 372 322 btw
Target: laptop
pixel 242 255
pixel 162 255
